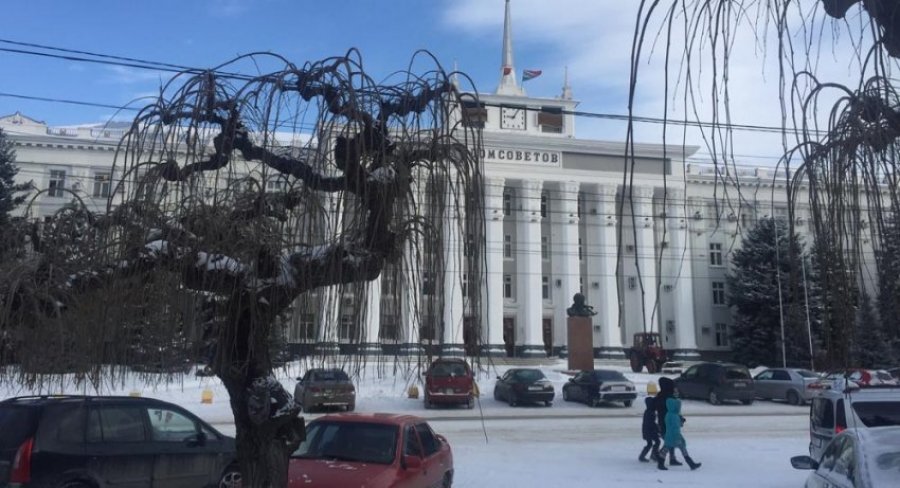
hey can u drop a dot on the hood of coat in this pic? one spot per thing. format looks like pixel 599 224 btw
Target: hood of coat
pixel 673 405
pixel 666 386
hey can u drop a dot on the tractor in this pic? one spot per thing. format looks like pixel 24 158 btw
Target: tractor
pixel 646 351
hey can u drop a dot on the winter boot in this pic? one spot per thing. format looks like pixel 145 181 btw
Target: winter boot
pixel 672 460
pixel 661 460
pixel 691 463
pixel 643 457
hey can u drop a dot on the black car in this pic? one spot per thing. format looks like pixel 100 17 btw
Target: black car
pixel 524 385
pixel 601 385
pixel 716 382
pixel 98 442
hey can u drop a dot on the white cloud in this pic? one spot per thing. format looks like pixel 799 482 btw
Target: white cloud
pixel 126 75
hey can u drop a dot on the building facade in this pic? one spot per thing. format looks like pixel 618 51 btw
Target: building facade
pixel 650 254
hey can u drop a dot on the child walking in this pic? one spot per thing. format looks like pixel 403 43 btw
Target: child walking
pixel 673 438
pixel 650 432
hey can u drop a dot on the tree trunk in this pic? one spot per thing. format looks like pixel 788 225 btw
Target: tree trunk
pixel 263 451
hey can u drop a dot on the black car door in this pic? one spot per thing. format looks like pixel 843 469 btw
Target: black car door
pixel 185 456
pixel 503 386
pixel 581 387
pixel 687 382
pixel 117 446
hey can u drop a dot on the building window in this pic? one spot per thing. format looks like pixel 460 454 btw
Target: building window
pixel 545 287
pixel 305 330
pixel 544 205
pixel 507 286
pixel 718 292
pixel 715 254
pixel 389 329
pixel 580 250
pixel 632 282
pixel 551 120
pixel 781 213
pixel 507 204
pixel 507 246
pixel 474 114
pixel 389 284
pixel 57 183
pixel 275 184
pixel 465 285
pixel 469 249
pixel 721 335
pixel 428 283
pixel 348 330
pixel 101 185
pixel 545 248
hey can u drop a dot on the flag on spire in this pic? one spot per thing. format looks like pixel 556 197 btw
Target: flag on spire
pixel 530 74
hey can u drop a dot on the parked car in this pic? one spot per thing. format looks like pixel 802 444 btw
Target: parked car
pixel 716 382
pixel 449 382
pixel 321 388
pixel 859 376
pixel 600 385
pixel 839 408
pixel 856 458
pixel 98 442
pixel 524 385
pixel 792 385
pixel 375 451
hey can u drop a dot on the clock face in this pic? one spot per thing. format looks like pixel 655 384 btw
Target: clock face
pixel 512 118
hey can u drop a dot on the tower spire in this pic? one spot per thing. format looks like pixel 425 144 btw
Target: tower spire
pixel 566 90
pixel 508 84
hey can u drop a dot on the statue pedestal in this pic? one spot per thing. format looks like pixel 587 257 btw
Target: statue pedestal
pixel 581 344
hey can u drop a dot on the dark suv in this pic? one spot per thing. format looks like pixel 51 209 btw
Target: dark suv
pixel 716 382
pixel 96 442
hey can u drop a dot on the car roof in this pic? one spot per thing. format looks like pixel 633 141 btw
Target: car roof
pixel 866 393
pixel 372 418
pixel 39 400
pixel 449 360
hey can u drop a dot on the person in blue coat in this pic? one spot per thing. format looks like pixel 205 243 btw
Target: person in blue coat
pixel 673 439
pixel 650 432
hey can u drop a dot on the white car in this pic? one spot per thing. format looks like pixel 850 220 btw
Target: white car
pixel 856 458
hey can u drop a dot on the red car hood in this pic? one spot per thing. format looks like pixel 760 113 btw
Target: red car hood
pixel 321 473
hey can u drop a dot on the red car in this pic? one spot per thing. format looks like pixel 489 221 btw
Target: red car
pixel 449 382
pixel 372 450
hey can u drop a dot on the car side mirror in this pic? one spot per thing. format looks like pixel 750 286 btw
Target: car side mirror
pixel 412 462
pixel 804 462
pixel 195 440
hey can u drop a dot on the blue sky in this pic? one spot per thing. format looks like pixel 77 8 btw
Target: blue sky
pixel 590 37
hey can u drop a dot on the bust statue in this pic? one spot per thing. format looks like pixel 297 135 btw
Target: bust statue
pixel 579 308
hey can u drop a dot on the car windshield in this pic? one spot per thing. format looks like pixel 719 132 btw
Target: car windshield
pixel 529 375
pixel 737 373
pixel 878 414
pixel 609 376
pixel 443 370
pixel 805 373
pixel 349 441
pixel 16 424
pixel 330 375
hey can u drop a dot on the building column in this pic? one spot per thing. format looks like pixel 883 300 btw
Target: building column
pixel 492 298
pixel 411 294
pixel 566 265
pixel 602 258
pixel 453 245
pixel 371 342
pixel 646 252
pixel 682 277
pixel 330 302
pixel 528 271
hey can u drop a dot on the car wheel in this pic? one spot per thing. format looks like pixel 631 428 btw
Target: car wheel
pixel 793 398
pixel 713 398
pixel 447 482
pixel 747 402
pixel 636 364
pixel 496 395
pixel 628 403
pixel 231 478
pixel 351 407
pixel 566 397
pixel 548 403
pixel 652 367
pixel 594 402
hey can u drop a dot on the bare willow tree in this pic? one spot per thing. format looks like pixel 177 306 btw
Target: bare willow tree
pixel 236 196
pixel 846 158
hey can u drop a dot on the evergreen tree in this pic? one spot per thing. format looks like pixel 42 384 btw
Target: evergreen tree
pixel 870 348
pixel 753 296
pixel 11 194
pixel 888 299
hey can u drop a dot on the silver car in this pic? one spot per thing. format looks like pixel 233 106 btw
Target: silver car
pixel 788 384
pixel 856 458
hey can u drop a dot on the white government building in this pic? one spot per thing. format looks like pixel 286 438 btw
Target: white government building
pixel 552 222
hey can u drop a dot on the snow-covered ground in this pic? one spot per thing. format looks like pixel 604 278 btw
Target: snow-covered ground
pixel 568 444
